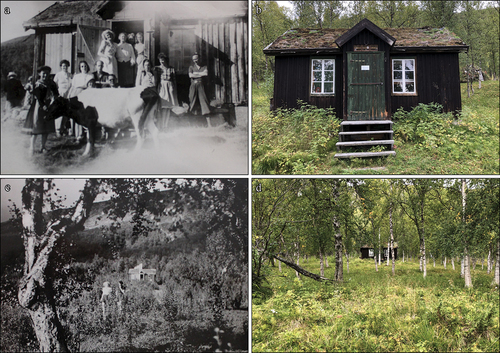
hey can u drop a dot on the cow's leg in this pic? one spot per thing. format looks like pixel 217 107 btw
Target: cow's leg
pixel 89 147
pixel 32 143
pixel 151 126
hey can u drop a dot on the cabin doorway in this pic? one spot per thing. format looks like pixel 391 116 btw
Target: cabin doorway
pixel 365 86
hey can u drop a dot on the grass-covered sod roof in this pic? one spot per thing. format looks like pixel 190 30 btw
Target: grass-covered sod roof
pixel 324 38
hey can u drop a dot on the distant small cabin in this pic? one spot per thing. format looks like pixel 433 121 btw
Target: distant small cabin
pixel 140 274
pixel 368 252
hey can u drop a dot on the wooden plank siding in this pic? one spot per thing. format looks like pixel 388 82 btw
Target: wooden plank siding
pixel 223 48
pixel 365 37
pixel 437 80
pixel 58 47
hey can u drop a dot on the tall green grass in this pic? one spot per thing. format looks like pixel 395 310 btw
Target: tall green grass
pixel 376 311
pixel 427 141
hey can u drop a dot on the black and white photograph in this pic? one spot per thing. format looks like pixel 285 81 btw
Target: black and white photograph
pixel 124 265
pixel 124 87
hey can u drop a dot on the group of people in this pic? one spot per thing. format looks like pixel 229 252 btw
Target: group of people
pixel 106 301
pixel 119 65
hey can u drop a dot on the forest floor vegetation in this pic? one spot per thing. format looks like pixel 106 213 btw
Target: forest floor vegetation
pixel 376 311
pixel 427 141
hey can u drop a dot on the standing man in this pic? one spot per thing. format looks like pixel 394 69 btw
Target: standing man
pixel 197 97
pixel 15 94
pixel 101 78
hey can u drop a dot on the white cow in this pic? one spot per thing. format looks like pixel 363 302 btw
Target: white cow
pixel 113 108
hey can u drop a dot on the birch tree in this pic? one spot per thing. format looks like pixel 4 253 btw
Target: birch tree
pixel 415 193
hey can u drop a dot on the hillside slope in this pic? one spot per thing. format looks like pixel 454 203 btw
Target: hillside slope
pixel 17 55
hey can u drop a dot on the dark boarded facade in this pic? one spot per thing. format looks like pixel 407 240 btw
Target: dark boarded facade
pixel 376 69
pixel 368 252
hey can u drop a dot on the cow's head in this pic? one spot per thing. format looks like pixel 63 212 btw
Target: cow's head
pixel 58 107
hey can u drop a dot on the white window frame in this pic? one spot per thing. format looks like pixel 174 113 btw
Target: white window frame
pixel 371 253
pixel 403 81
pixel 322 76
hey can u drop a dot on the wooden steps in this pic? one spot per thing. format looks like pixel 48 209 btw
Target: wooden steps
pixel 357 137
pixel 365 154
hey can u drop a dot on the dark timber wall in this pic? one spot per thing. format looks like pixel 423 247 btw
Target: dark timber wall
pixel 438 80
pixel 292 81
pixel 365 37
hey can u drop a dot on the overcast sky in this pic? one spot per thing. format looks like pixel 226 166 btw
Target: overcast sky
pixel 17 13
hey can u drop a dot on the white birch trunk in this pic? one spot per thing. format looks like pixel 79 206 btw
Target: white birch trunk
pixel 279 265
pixel 434 260
pixel 379 254
pixel 497 267
pixel 298 264
pixel 488 262
pixel 326 261
pixel 462 268
pixel 376 265
pixel 444 263
pixel 388 249
pixel 321 264
pixel 453 264
pixel 467 275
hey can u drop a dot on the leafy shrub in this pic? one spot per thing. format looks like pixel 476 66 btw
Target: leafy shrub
pixel 293 141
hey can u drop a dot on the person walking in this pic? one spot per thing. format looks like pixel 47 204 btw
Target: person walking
pixel 106 299
pixel 120 297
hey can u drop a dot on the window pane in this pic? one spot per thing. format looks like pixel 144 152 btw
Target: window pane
pixel 317 75
pixel 329 76
pixel 328 87
pixel 317 87
pixel 410 87
pixel 409 75
pixel 398 65
pixel 398 87
pixel 409 65
pixel 328 64
pixel 398 75
pixel 316 64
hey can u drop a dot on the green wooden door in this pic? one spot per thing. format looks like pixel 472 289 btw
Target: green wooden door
pixel 365 86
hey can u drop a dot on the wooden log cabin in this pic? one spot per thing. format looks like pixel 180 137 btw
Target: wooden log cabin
pixel 216 30
pixel 366 73
pixel 368 252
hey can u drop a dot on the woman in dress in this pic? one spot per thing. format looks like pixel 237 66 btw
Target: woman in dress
pixel 147 80
pixel 140 51
pixel 167 88
pixel 79 83
pixel 125 57
pixel 44 91
pixel 107 52
pixel 63 80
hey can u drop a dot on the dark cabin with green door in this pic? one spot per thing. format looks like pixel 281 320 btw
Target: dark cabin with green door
pixel 366 73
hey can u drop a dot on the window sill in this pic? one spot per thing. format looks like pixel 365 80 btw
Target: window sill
pixel 322 94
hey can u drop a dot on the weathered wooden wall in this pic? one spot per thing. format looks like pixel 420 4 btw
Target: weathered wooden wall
pixel 292 81
pixel 365 37
pixel 224 48
pixel 58 46
pixel 438 80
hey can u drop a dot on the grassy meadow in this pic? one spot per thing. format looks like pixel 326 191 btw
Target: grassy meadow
pixel 427 141
pixel 375 311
